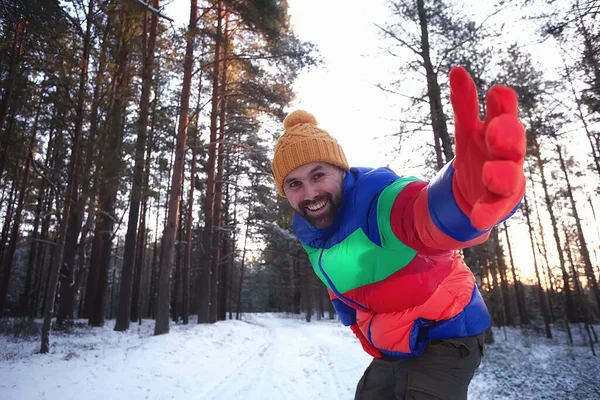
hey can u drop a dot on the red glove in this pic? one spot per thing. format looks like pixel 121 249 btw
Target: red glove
pixel 366 345
pixel 489 180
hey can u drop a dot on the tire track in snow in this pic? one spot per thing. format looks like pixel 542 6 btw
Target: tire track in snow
pixel 292 365
pixel 216 388
pixel 297 361
pixel 255 377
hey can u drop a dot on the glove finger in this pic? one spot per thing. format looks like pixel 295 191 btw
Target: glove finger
pixel 503 177
pixel 506 139
pixel 500 100
pixel 463 96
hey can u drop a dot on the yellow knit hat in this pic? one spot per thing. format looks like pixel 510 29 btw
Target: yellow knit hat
pixel 303 142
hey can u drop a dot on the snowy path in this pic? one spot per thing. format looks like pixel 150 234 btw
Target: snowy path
pixel 295 362
pixel 263 357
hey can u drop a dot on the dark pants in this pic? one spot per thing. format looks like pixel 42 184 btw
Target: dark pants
pixel 443 371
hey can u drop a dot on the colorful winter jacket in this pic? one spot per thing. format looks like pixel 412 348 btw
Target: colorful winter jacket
pixel 390 263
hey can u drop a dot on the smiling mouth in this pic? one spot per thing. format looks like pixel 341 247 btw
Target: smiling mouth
pixel 318 205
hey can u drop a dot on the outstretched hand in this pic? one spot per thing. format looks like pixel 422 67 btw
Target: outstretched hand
pixel 488 181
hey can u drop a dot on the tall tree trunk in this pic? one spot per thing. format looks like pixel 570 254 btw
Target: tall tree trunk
pixel 499 316
pixel 523 318
pixel 81 281
pixel 206 278
pixel 438 119
pixel 67 273
pixel 233 240
pixel 592 281
pixel 154 271
pixel 216 283
pixel 546 271
pixel 185 312
pixel 167 248
pixel 94 152
pixel 153 267
pixel 9 210
pixel 26 297
pixel 71 193
pixel 320 308
pixel 125 291
pixel 238 308
pixel 580 296
pixel 8 256
pixel 105 220
pixel 48 199
pixel 584 122
pixel 548 202
pixel 64 316
pixel 140 251
pixel 223 267
pixel 540 290
pixel 136 302
pixel 91 287
pixel 176 282
pixel 508 318
pixel 307 289
pixel 15 59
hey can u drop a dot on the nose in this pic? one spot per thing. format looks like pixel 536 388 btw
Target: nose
pixel 310 191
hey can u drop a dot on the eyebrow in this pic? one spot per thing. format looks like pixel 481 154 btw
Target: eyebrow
pixel 312 171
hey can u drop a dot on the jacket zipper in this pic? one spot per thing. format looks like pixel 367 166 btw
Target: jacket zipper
pixel 334 289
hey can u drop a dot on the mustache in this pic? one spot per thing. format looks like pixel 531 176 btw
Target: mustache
pixel 317 199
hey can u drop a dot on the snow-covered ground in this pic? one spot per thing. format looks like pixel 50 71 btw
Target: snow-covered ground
pixel 265 356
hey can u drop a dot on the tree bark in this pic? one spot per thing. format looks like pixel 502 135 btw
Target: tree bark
pixel 206 278
pixel 579 292
pixel 238 309
pixel 26 301
pixel 216 283
pixel 105 219
pixel 185 312
pixel 548 202
pixel 15 59
pixel 438 119
pixel 9 211
pixel 523 318
pixel 140 252
pixel 125 292
pixel 167 247
pixel 592 281
pixel 307 289
pixel 540 290
pixel 508 318
pixel 176 281
pixel 7 258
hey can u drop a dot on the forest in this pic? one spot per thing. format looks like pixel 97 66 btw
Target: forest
pixel 135 175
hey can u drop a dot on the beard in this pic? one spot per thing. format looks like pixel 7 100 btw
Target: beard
pixel 322 218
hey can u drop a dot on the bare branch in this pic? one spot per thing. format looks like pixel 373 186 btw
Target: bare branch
pixel 402 41
pixel 48 242
pixel 154 10
pixel 414 99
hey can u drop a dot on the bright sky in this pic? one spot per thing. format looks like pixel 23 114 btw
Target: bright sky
pixel 342 94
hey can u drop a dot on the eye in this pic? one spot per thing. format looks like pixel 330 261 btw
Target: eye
pixel 293 184
pixel 318 175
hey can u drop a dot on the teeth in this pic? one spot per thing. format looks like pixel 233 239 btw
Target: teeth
pixel 317 206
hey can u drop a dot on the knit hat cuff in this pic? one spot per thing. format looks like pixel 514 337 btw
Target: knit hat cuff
pixel 304 152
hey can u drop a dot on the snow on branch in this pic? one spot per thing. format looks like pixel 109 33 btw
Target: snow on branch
pixel 154 10
pixel 283 232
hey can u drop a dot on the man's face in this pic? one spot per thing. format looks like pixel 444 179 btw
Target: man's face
pixel 315 192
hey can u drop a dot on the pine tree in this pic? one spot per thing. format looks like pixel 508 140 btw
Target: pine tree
pixel 131 238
